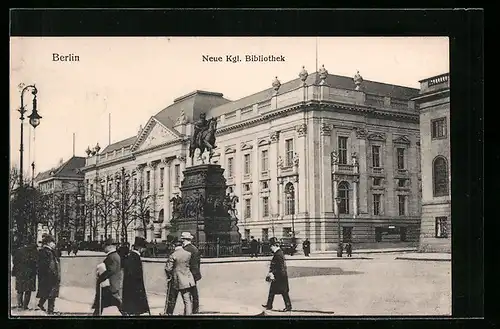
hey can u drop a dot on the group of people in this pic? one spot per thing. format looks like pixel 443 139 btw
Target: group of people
pixel 29 262
pixel 127 292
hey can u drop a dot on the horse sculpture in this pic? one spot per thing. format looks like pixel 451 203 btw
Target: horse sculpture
pixel 205 141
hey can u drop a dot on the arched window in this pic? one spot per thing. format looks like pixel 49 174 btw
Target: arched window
pixel 343 193
pixel 289 199
pixel 161 216
pixel 440 176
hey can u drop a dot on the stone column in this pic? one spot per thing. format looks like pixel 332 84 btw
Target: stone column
pixel 355 196
pixel 273 171
pixel 326 168
pixel 301 152
pixel 363 171
pixel 167 187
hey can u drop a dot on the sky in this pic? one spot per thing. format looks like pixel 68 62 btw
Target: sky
pixel 135 78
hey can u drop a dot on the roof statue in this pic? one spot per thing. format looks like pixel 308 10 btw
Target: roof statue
pixel 323 74
pixel 276 84
pixel 303 75
pixel 358 79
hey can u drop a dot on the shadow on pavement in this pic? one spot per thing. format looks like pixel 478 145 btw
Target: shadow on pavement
pixel 299 271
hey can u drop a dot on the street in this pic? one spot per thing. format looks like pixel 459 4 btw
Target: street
pixel 382 285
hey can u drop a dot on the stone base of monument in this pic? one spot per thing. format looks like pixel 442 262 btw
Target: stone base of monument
pixel 206 218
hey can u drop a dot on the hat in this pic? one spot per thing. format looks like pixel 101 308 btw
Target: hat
pixel 186 236
pixel 273 241
pixel 140 242
pixel 47 238
pixel 109 242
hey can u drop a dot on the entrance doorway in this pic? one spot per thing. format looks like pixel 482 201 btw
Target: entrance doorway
pixel 346 234
pixel 378 234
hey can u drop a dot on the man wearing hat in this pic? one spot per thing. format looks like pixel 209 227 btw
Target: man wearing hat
pixel 178 272
pixel 135 300
pixel 194 266
pixel 49 274
pixel 109 280
pixel 25 267
pixel 278 277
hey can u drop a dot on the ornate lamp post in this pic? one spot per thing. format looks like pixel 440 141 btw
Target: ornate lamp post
pixel 34 120
pixel 339 247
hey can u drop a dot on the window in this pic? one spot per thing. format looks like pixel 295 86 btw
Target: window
pixel 247 187
pixel 343 192
pixel 265 185
pixel 402 205
pixel 247 164
pixel 265 206
pixel 247 234
pixel 289 152
pixel 135 184
pixel 376 204
pixel 118 187
pixel 401 157
pixel 440 176
pixel 441 227
pixel 401 182
pixel 438 128
pixel 127 186
pixel 376 156
pixel 376 181
pixel 342 148
pixel 109 188
pixel 265 234
pixel 287 232
pixel 289 199
pixel 230 168
pixel 148 181
pixel 162 174
pixel 264 160
pixel 177 173
pixel 248 208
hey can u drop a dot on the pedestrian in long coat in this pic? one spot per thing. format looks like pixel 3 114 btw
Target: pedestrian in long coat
pixel 108 283
pixel 278 277
pixel 49 274
pixel 306 247
pixel 194 266
pixel 24 269
pixel 135 300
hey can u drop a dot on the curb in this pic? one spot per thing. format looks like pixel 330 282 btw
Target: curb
pixel 152 260
pixel 424 259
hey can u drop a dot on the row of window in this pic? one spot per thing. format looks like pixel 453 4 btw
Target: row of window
pixel 289 203
pixel 376 158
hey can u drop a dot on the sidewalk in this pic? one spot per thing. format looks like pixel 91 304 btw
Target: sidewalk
pixel 77 301
pixel 427 256
pixel 318 255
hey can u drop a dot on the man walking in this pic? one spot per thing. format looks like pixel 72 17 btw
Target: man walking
pixel 254 247
pixel 194 266
pixel 177 270
pixel 135 300
pixel 24 269
pixel 306 247
pixel 278 277
pixel 109 280
pixel 49 274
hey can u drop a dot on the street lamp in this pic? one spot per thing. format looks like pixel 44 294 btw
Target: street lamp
pixel 339 247
pixel 34 120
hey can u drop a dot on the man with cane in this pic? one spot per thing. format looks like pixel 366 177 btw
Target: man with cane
pixel 109 280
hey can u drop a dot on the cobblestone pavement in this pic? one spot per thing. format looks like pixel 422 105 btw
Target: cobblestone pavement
pixel 382 285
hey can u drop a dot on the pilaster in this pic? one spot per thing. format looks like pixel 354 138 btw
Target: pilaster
pixel 273 168
pixel 363 184
pixel 301 163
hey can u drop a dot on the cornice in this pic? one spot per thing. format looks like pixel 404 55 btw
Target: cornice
pixel 158 147
pixel 322 105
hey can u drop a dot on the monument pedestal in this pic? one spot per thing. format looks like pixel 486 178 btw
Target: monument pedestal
pixel 203 211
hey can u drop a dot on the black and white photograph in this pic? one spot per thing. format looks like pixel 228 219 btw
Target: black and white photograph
pixel 230 176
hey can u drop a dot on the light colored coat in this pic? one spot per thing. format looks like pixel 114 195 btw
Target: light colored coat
pixel 178 267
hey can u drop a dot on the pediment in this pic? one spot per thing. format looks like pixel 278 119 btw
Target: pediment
pixel 401 140
pixel 264 142
pixel 376 137
pixel 154 134
pixel 246 146
pixel 229 150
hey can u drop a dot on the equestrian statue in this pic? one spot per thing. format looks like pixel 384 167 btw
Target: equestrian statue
pixel 203 137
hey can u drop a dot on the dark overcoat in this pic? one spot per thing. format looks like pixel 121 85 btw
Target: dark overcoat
pixel 278 268
pixel 195 261
pixel 24 268
pixel 111 294
pixel 49 273
pixel 135 300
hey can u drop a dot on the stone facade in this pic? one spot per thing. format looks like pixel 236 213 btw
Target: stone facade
pixel 434 104
pixel 287 152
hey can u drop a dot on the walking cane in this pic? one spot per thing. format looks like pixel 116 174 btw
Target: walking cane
pixel 169 279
